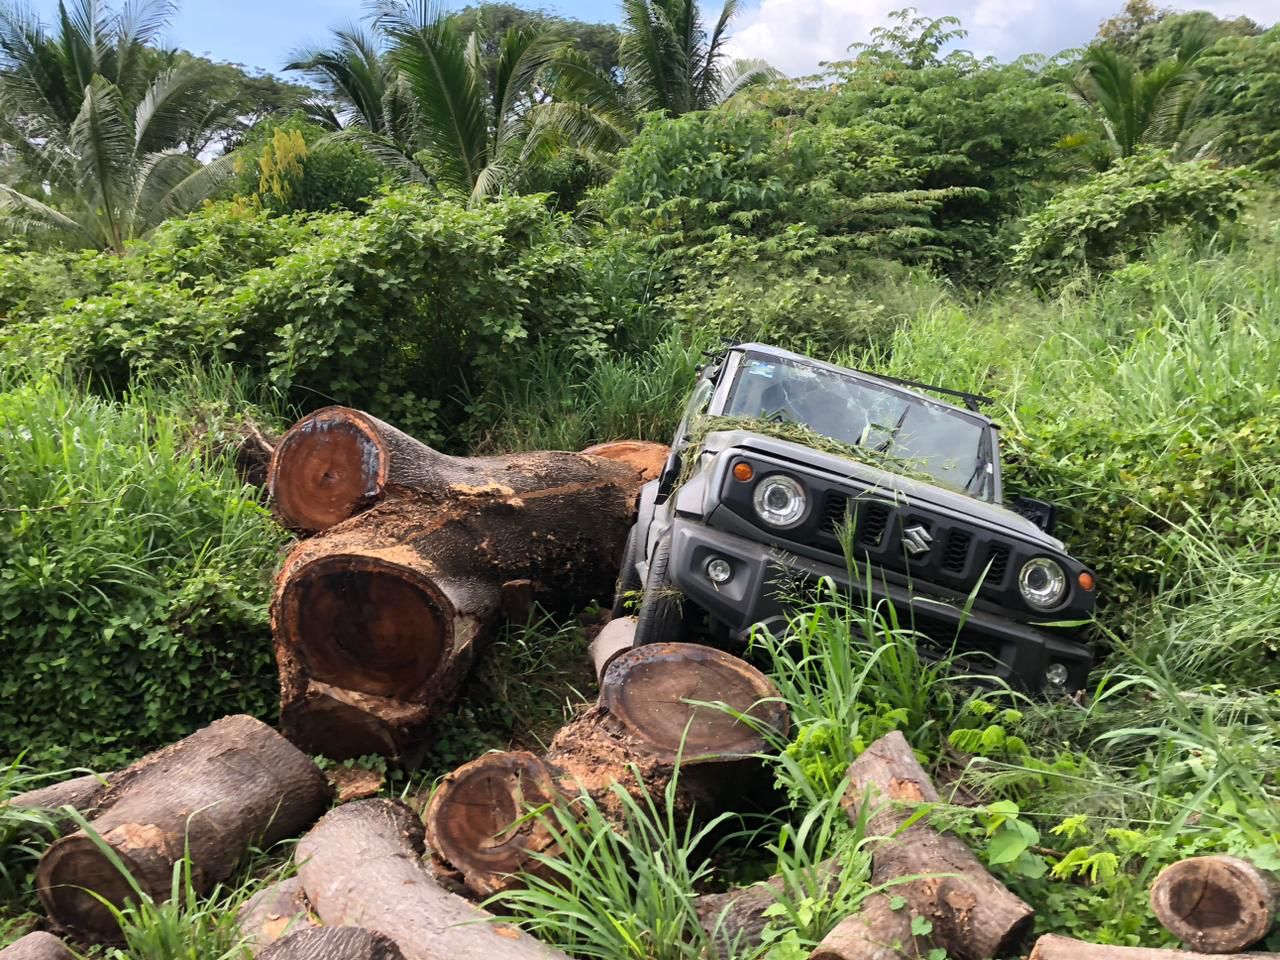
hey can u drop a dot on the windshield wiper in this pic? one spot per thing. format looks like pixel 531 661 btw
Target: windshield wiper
pixel 894 432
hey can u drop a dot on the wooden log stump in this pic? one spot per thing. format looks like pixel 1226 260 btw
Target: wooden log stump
pixel 876 932
pixel 334 943
pixel 1053 947
pixel 378 620
pixel 273 912
pixel 1216 904
pixel 360 866
pixel 338 462
pixel 37 946
pixel 231 785
pixel 648 715
pixel 974 915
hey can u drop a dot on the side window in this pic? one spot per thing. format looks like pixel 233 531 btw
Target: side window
pixel 699 400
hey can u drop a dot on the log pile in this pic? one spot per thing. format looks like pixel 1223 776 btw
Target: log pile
pixel 378 618
pixel 653 715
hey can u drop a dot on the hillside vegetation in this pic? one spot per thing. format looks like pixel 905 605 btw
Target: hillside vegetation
pixel 550 278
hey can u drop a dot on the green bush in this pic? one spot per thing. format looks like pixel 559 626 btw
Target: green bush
pixel 134 571
pixel 1111 219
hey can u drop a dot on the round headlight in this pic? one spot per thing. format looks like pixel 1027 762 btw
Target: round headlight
pixel 1042 582
pixel 1057 675
pixel 779 500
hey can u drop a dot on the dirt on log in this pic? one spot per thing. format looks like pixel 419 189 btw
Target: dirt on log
pixel 274 911
pixel 361 866
pixel 1053 947
pixel 974 916
pixel 654 707
pixel 377 620
pixel 1216 904
pixel 334 943
pixel 37 946
pixel 876 932
pixel 234 784
pixel 338 462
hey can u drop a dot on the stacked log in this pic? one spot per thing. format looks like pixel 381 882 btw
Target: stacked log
pixel 211 796
pixel 973 915
pixel 378 619
pixel 1216 904
pixel 361 866
pixel 647 724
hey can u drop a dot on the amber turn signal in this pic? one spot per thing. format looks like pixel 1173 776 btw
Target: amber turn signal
pixel 743 471
pixel 1086 581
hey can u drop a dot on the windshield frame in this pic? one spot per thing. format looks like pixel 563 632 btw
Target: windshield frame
pixel 988 444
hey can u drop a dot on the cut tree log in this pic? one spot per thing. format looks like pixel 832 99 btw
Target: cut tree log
pixel 1053 947
pixel 735 920
pixel 334 943
pixel 360 866
pixel 876 932
pixel 479 822
pixel 37 946
pixel 274 911
pixel 611 642
pixel 974 915
pixel 81 794
pixel 378 620
pixel 646 457
pixel 226 787
pixel 1216 904
pixel 338 462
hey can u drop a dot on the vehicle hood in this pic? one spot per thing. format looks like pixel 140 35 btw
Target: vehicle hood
pixel 892 484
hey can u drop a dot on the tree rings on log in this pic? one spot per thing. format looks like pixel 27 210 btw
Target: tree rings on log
pixel 486 819
pixel 1216 904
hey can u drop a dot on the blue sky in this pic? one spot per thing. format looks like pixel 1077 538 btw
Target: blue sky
pixel 793 35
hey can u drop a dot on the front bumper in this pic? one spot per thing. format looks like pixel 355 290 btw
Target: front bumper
pixel 764 578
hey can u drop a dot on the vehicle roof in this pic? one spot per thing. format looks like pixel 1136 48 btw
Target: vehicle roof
pixel 765 348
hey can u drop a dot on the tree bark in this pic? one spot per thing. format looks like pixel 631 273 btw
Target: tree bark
pixel 735 919
pixel 974 915
pixel 37 946
pixel 273 912
pixel 80 794
pixel 378 620
pixel 478 821
pixel 338 462
pixel 1053 947
pixel 360 866
pixel 876 932
pixel 233 784
pixel 334 943
pixel 1216 904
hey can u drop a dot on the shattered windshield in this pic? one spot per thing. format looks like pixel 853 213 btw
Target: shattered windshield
pixel 927 437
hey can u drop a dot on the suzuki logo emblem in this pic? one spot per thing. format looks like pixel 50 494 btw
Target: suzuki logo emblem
pixel 916 540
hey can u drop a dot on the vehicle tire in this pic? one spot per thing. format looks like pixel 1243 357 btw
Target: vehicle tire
pixel 661 618
pixel 628 582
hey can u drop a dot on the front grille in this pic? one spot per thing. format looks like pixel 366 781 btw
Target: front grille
pixel 872 518
pixel 875 519
pixel 957 551
pixel 998 558
pixel 835 514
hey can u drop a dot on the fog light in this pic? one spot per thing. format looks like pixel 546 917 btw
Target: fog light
pixel 1057 675
pixel 719 570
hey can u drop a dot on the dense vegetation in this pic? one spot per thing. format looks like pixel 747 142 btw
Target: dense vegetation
pixel 1089 239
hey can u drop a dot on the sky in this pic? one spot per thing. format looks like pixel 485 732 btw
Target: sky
pixel 793 35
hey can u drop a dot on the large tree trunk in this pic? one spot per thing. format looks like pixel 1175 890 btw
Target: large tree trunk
pixel 735 920
pixel 1216 904
pixel 479 821
pixel 378 620
pixel 338 462
pixel 234 784
pixel 273 912
pixel 876 932
pixel 36 946
pixel 974 915
pixel 80 794
pixel 334 943
pixel 1053 947
pixel 360 866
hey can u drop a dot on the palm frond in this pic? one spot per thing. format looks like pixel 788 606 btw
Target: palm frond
pixel 101 140
pixel 175 186
pixel 524 54
pixel 391 153
pixel 354 71
pixel 170 109
pixel 22 215
pixel 139 26
pixel 741 75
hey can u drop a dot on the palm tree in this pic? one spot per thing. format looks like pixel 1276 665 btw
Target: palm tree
pixel 1142 107
pixel 477 128
pixel 99 119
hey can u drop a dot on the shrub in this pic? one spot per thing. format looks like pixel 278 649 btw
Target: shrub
pixel 1112 218
pixel 134 571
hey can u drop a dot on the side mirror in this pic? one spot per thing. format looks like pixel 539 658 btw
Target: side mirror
pixel 1043 514
pixel 668 477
